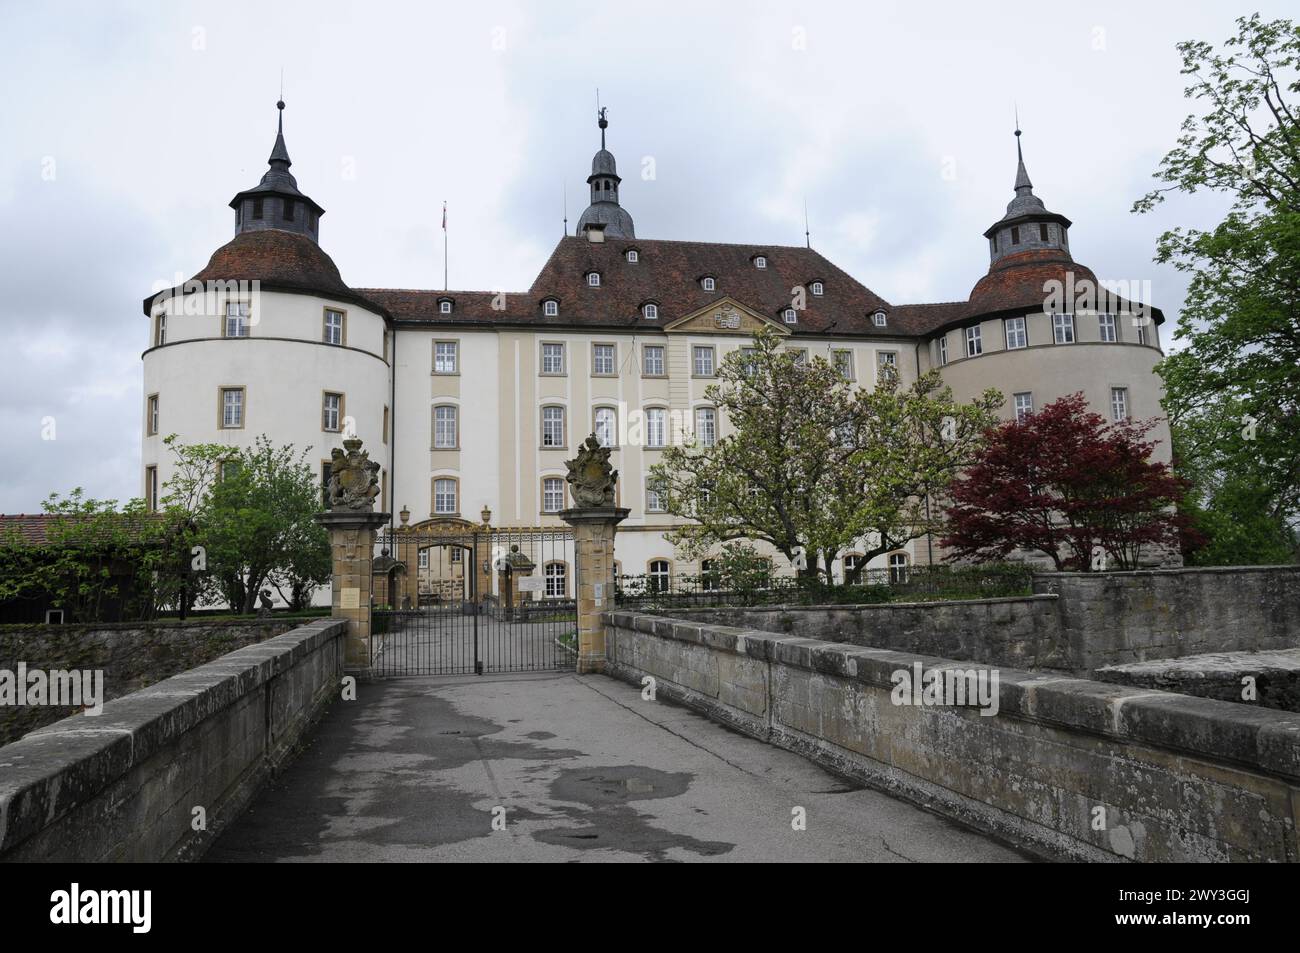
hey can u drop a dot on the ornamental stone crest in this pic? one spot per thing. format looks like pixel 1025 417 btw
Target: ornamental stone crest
pixel 354 478
pixel 591 479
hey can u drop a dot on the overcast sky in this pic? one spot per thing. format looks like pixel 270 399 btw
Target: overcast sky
pixel 126 129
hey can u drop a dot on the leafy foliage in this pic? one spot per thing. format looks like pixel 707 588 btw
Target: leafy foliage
pixel 813 463
pixel 1061 482
pixel 1237 378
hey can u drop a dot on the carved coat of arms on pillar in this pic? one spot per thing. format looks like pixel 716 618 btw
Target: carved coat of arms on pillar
pixel 354 478
pixel 591 479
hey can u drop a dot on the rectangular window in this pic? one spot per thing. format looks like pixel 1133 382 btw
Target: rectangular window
pixel 232 407
pixel 844 363
pixel 1015 234
pixel 1063 328
pixel 553 358
pixel 424 559
pixel 444 497
pixel 1042 232
pixel 1119 403
pixel 800 356
pixel 257 208
pixel 287 209
pixel 552 495
pixel 333 326
pixel 943 350
pixel 706 426
pixel 654 497
pixel 385 430
pixel 703 360
pixel 886 363
pixel 236 319
pixel 603 358
pixel 332 413
pixel 974 343
pixel 1017 336
pixel 151 415
pixel 151 488
pixel 656 427
pixel 749 361
pixel 1106 324
pixel 556 581
pixel 445 357
pixel 1024 405
pixel 160 330
pixel 653 355
pixel 552 426
pixel 325 483
pixel 444 428
pixel 605 428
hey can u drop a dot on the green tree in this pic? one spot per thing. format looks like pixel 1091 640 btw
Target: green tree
pixel 253 509
pixel 1233 389
pixel 813 463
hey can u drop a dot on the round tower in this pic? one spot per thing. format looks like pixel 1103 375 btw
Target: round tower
pixel 266 340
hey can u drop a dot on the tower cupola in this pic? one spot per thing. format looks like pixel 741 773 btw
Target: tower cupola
pixel 275 202
pixel 1027 223
pixel 604 214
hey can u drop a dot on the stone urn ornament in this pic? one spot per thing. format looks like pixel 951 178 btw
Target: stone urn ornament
pixel 591 479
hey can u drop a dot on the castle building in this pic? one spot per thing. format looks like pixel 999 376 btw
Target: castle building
pixel 473 400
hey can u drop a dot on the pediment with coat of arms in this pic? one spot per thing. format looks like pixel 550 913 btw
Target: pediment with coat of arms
pixel 725 316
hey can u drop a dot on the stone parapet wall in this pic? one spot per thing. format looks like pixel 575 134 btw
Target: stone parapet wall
pixel 1169 777
pixel 127 785
pixel 1114 618
pixel 132 655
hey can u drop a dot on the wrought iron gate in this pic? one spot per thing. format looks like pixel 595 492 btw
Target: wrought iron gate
pixel 464 599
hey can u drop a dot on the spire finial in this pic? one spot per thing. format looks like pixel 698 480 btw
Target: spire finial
pixel 1023 186
pixel 600 119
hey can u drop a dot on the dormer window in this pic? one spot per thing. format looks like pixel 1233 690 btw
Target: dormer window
pixel 444 306
pixel 760 261
pixel 550 307
pixel 593 279
pixel 817 288
pixel 789 316
pixel 878 319
pixel 651 311
pixel 708 284
pixel 633 256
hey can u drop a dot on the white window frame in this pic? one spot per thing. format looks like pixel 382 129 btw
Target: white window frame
pixel 658 351
pixel 440 494
pixel 707 367
pixel 593 279
pixel 1107 327
pixel 552 494
pixel 1119 404
pixel 1023 403
pixel 1063 327
pixel 651 312
pixel 331 328
pixel 599 360
pixel 151 415
pixel 444 351
pixel 422 561
pixel 790 316
pixel 656 427
pixel 335 409
pixel 446 427
pixel 879 319
pixel 943 350
pixel 550 307
pixel 886 359
pixel 654 498
pixel 817 288
pixel 709 284
pixel 444 307
pixel 239 315
pixel 633 256
pixel 606 432
pixel 974 341
pixel 237 405
pixel 760 261
pixel 842 358
pixel 1016 331
pixel 652 575
pixel 552 418
pixel 552 577
pixel 553 358
pixel 706 426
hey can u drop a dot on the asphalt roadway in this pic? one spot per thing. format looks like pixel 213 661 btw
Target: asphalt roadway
pixel 560 767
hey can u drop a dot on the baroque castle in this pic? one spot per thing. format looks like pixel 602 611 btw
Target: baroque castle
pixel 471 401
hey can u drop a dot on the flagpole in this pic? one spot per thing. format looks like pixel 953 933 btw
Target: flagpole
pixel 445 285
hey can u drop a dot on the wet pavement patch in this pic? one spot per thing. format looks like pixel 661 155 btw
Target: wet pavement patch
pixel 607 794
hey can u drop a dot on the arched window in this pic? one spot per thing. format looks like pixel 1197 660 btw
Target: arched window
pixel 633 256
pixel 550 307
pixel 605 420
pixel 817 288
pixel 852 562
pixel 709 580
pixel 593 279
pixel 651 311
pixel 879 319
pixel 557 580
pixel 708 284
pixel 897 568
pixel 760 261
pixel 444 497
pixel 659 575
pixel 790 316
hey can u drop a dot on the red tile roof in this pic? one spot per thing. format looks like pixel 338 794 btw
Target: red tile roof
pixel 33 529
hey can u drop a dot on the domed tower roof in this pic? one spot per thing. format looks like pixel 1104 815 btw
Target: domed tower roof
pixel 1028 224
pixel 275 202
pixel 604 214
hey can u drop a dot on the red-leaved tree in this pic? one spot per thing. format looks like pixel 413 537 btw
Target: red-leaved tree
pixel 1064 482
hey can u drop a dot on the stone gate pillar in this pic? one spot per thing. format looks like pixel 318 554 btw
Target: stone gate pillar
pixel 594 519
pixel 351 523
